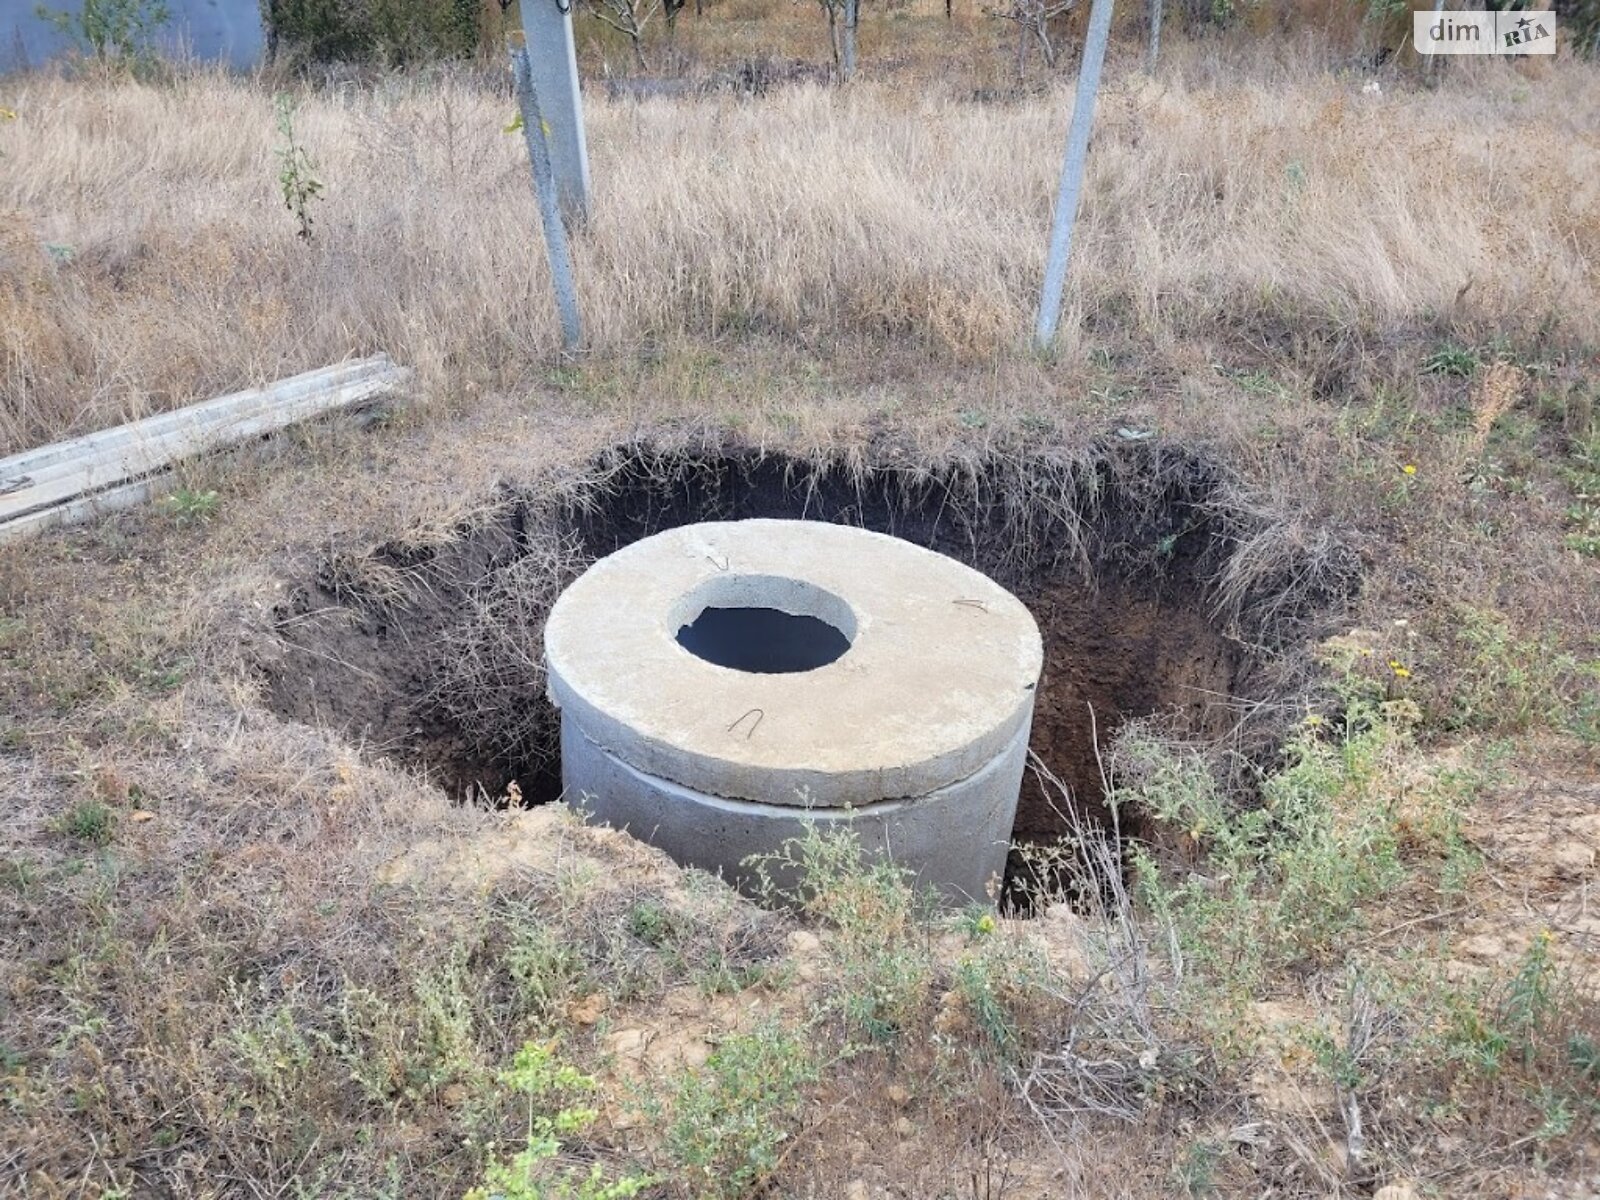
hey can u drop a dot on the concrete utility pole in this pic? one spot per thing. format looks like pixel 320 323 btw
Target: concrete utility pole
pixel 544 189
pixel 547 28
pixel 1055 270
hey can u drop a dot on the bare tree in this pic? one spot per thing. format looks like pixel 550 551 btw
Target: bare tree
pixel 1154 48
pixel 628 17
pixel 1033 19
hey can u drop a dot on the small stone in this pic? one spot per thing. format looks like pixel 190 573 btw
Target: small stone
pixel 1485 945
pixel 678 1052
pixel 1274 1092
pixel 856 1189
pixel 628 1044
pixel 904 1127
pixel 951 1019
pixel 805 955
pixel 586 1010
pixel 898 1096
pixel 1573 858
pixel 1395 1191
pixel 622 1119
pixel 141 814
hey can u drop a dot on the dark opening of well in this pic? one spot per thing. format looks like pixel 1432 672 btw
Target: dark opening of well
pixel 764 641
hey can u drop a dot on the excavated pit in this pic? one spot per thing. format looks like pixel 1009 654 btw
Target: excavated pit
pixel 1162 587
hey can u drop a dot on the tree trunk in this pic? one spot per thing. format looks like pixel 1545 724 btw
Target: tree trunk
pixel 1155 34
pixel 852 17
pixel 833 35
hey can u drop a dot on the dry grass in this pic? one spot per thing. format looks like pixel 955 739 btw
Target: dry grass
pixel 1216 209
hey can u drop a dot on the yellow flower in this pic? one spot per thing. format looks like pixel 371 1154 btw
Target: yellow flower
pixel 1400 669
pixel 1313 720
pixel 1546 936
pixel 1410 468
pixel 985 924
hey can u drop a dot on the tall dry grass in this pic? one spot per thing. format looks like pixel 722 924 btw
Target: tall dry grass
pixel 1219 205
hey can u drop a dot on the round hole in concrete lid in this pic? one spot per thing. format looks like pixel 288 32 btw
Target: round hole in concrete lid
pixel 764 624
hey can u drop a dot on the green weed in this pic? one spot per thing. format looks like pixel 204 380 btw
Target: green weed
pixel 276 1054
pixel 19 875
pixel 1531 1026
pixel 654 924
pixel 550 1090
pixel 726 1123
pixel 1506 682
pixel 1195 1172
pixel 88 821
pixel 187 506
pixel 297 180
pixel 1288 880
pixel 1451 359
pixel 548 969
pixel 111 31
pixel 882 930
pixel 446 1046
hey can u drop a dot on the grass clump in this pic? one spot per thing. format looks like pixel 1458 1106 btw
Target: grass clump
pixel 1499 679
pixel 881 930
pixel 550 1090
pixel 999 982
pixel 188 506
pixel 1451 359
pixel 89 821
pixel 1288 880
pixel 727 1122
pixel 547 966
